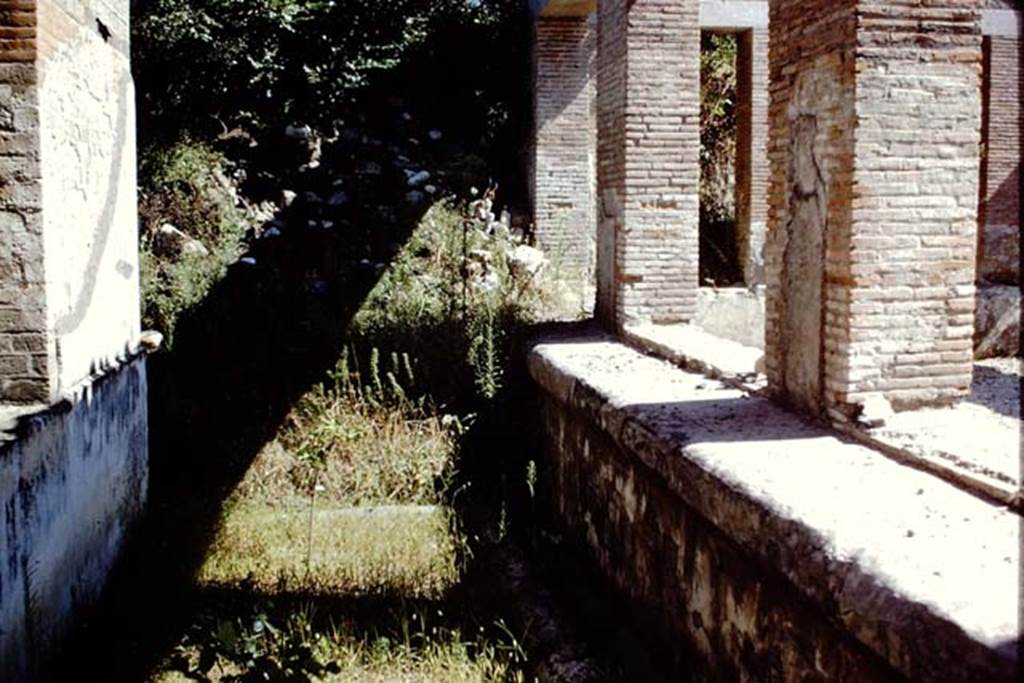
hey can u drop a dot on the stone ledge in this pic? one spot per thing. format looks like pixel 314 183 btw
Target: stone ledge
pixel 918 571
pixel 733 15
pixel 17 419
pixel 951 459
pixel 692 348
pixel 735 313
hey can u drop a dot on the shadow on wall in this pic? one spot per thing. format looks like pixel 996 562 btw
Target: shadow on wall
pixel 1000 256
pixel 998 391
pixel 999 210
pixel 567 83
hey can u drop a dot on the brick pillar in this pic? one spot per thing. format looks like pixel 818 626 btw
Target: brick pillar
pixel 874 134
pixel 999 234
pixel 648 110
pixel 565 143
pixel 26 351
pixel 69 277
pixel 752 152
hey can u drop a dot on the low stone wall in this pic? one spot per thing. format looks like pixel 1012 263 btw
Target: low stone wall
pixel 72 482
pixel 734 313
pixel 737 314
pixel 754 545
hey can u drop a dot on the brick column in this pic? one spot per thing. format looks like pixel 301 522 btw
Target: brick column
pixel 26 351
pixel 874 134
pixel 999 238
pixel 69 278
pixel 752 151
pixel 565 143
pixel 648 110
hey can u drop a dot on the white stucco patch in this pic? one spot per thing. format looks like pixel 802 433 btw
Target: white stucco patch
pixel 90 233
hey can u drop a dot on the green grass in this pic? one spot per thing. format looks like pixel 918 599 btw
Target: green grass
pixel 397 550
pixel 337 556
pixel 339 594
pixel 351 453
pixel 252 648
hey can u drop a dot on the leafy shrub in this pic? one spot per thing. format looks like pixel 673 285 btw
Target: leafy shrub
pixel 718 122
pixel 442 306
pixel 185 186
pixel 719 256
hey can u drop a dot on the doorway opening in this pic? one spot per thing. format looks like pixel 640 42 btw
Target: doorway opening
pixel 720 262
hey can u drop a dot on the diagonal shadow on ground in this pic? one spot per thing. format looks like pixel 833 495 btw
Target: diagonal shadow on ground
pixel 241 359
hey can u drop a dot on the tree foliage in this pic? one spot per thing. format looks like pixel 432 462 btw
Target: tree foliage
pixel 718 124
pixel 201 63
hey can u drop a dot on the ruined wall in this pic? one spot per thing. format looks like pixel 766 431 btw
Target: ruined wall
pixel 648 160
pixel 565 142
pixel 69 282
pixel 904 308
pixel 717 612
pixel 742 539
pixel 875 120
pixel 999 229
pixel 71 486
pixel 752 152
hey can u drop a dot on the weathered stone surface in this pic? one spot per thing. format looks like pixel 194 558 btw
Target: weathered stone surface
pixel 997 322
pixel 693 348
pixel 743 534
pixel 72 485
pixel 946 440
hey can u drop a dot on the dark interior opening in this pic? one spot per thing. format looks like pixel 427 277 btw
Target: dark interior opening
pixel 719 239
